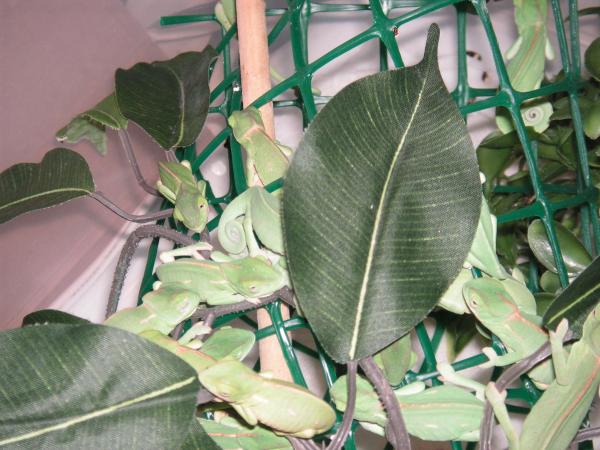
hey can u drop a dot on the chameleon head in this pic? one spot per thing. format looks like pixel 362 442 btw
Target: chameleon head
pixel 229 380
pixel 254 277
pixel 488 300
pixel 191 207
pixel 244 121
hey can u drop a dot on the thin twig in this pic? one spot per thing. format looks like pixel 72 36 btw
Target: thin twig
pixel 302 444
pixel 510 375
pixel 143 232
pixel 586 435
pixel 126 144
pixel 342 434
pixel 152 217
pixel 395 429
pixel 218 311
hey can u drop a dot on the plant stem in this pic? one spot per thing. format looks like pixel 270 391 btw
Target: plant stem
pixel 126 144
pixel 143 232
pixel 152 217
pixel 342 434
pixel 586 435
pixel 395 429
pixel 218 311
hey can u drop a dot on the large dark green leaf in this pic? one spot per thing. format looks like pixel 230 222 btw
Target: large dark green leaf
pixel 61 176
pixel 91 386
pixel 381 203
pixel 168 99
pixel 577 300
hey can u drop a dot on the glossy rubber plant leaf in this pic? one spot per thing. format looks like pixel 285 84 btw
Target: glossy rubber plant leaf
pixel 577 300
pixel 91 386
pixel 168 99
pixel 380 206
pixel 91 124
pixel 574 254
pixel 61 176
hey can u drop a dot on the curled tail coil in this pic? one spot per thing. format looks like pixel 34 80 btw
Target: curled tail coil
pixel 231 236
pixel 231 232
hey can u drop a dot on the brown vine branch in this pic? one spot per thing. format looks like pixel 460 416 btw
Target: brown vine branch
pixel 134 239
pixel 152 217
pixel 395 429
pixel 342 434
pixel 126 144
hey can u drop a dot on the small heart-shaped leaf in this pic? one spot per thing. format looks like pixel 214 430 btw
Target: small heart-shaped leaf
pixel 61 176
pixel 168 99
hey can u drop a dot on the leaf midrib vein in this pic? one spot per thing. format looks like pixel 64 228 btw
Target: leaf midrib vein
pixel 98 413
pixel 41 194
pixel 378 215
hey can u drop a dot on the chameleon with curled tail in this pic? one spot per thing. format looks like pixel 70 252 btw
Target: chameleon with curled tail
pixel 526 66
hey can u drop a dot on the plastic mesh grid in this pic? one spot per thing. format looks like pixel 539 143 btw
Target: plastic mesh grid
pixel 297 16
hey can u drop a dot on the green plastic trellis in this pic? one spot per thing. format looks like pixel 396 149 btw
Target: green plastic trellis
pixel 298 16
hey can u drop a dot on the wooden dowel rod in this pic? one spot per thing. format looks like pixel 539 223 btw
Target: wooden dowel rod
pixel 255 77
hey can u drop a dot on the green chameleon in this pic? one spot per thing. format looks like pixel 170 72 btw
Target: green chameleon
pixel 526 66
pixel 519 330
pixel 255 211
pixel 440 413
pixel 557 415
pixel 266 159
pixel 178 184
pixel 285 407
pixel 221 282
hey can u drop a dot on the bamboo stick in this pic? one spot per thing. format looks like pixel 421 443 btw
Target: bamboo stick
pixel 254 69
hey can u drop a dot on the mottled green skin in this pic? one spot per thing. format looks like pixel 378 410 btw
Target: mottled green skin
pixel 496 310
pixel 557 415
pixel 266 160
pixel 440 413
pixel 198 360
pixel 219 283
pixel 285 407
pixel 179 186
pixel 161 310
pixel 261 215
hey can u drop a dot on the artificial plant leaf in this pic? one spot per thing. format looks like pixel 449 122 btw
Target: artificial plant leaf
pixel 460 330
pixel 61 176
pixel 577 300
pixel 45 316
pixel 168 99
pixel 91 386
pixel 494 155
pixel 82 128
pixel 592 58
pixel 107 113
pixel 574 254
pixel 198 439
pixel 381 203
